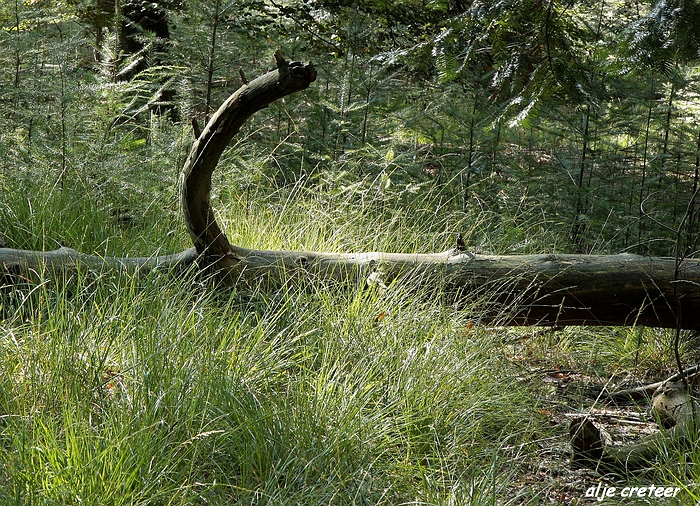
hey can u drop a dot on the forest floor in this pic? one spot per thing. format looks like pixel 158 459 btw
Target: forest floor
pixel 572 388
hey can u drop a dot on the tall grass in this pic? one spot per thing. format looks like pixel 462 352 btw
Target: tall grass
pixel 115 390
pixel 167 391
pixel 118 391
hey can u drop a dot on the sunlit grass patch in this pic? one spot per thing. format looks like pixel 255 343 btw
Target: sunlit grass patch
pixel 134 389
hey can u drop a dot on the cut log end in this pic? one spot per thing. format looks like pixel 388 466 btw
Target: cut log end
pixel 294 75
pixel 587 440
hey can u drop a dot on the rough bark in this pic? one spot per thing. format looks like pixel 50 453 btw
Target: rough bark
pixel 517 290
pixel 514 290
pixel 25 262
pixel 195 190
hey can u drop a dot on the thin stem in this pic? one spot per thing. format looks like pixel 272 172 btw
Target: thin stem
pixel 210 60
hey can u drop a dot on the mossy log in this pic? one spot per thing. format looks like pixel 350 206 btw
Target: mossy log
pixel 512 289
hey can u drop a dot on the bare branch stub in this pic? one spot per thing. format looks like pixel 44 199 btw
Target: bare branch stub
pixel 195 189
pixel 196 130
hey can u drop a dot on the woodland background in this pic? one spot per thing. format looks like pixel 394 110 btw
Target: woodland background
pixel 527 126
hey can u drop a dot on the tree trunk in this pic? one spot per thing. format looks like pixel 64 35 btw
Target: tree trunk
pixel 195 186
pixel 590 290
pixel 514 290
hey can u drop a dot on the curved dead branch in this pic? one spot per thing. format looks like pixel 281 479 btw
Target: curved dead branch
pixel 195 189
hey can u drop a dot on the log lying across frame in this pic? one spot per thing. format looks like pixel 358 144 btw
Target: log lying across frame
pixel 519 289
pixel 545 289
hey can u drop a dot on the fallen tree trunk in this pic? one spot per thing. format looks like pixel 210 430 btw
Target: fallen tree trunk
pixel 515 290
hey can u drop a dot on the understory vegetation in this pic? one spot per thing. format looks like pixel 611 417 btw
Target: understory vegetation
pixel 567 127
